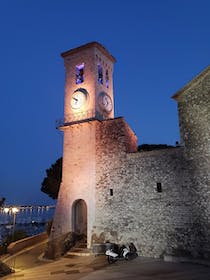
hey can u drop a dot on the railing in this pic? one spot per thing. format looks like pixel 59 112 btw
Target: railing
pixel 29 219
pixel 77 117
pixel 26 214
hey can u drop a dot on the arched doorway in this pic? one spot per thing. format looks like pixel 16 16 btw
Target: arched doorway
pixel 79 211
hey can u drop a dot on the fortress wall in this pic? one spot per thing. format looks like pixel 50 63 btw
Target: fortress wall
pixel 194 121
pixel 157 222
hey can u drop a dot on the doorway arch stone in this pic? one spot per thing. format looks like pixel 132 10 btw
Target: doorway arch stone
pixel 79 216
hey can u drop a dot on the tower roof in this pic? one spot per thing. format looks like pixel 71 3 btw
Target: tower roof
pixel 87 46
pixel 192 83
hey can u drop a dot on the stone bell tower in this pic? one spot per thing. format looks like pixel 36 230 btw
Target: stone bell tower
pixel 88 100
pixel 89 84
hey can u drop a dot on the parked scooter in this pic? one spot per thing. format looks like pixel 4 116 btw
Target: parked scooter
pixel 121 253
pixel 132 251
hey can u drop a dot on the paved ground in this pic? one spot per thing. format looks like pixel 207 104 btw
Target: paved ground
pixel 28 266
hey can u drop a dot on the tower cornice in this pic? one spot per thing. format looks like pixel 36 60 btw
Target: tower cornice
pixel 87 46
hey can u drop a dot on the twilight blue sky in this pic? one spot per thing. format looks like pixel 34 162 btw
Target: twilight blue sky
pixel 159 45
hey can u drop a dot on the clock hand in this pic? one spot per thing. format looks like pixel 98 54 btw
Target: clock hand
pixel 75 99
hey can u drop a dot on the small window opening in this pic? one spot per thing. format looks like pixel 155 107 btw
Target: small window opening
pixel 100 74
pixel 111 192
pixel 80 73
pixel 159 187
pixel 107 78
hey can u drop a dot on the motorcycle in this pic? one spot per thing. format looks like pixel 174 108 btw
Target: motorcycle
pixel 117 253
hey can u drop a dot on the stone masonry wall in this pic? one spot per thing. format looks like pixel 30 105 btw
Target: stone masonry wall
pixel 194 121
pixel 78 178
pixel 157 222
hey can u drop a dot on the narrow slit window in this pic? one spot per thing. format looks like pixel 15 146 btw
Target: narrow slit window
pixel 80 73
pixel 159 187
pixel 100 74
pixel 111 192
pixel 107 78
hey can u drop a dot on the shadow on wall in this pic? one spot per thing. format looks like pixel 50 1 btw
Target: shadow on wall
pixel 57 247
pixel 191 239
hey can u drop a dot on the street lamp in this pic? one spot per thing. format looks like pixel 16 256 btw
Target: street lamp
pixel 14 211
pixel 6 210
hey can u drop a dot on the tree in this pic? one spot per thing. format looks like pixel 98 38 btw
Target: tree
pixel 51 183
pixel 152 147
pixel 2 200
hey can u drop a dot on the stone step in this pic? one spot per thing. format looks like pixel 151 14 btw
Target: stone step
pixel 80 249
pixel 79 254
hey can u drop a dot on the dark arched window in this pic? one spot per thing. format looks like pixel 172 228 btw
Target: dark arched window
pixel 80 73
pixel 107 78
pixel 100 74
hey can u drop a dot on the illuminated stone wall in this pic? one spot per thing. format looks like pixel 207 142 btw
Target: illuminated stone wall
pixel 157 222
pixel 81 143
pixel 194 121
pixel 137 212
pixel 78 180
pixel 194 116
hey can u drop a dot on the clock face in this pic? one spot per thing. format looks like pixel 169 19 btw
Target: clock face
pixel 105 102
pixel 78 99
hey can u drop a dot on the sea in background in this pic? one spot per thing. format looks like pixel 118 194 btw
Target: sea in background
pixel 30 219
